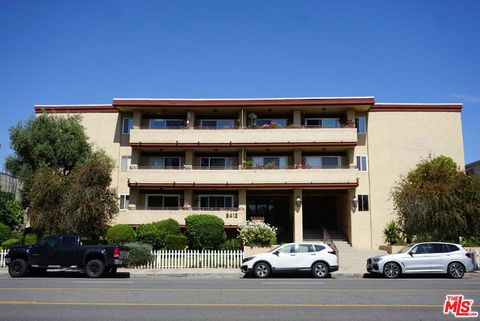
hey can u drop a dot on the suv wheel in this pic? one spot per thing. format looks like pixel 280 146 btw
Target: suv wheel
pixel 456 270
pixel 261 270
pixel 94 268
pixel 320 270
pixel 18 268
pixel 392 270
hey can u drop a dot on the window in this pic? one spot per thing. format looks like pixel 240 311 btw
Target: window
pixel 319 248
pixel 270 123
pixel 68 242
pixel 124 202
pixel 165 123
pixel 216 162
pixel 162 201
pixel 361 124
pixel 270 161
pixel 287 249
pixel 218 201
pixel 322 122
pixel 164 162
pixel 51 241
pixel 363 202
pixel 305 248
pixel 322 161
pixel 217 123
pixel 127 125
pixel 126 161
pixel 362 163
pixel 422 249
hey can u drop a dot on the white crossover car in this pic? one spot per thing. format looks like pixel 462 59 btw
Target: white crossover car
pixel 428 257
pixel 316 258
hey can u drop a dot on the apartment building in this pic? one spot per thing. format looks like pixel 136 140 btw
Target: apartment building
pixel 300 164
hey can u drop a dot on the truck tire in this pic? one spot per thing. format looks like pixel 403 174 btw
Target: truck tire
pixel 18 268
pixel 94 268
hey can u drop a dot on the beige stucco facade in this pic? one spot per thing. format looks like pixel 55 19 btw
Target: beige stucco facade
pixel 327 163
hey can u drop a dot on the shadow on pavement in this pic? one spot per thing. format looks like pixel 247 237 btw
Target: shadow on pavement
pixel 78 275
pixel 287 276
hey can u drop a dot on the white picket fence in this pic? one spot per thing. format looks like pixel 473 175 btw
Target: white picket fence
pixel 2 258
pixel 194 259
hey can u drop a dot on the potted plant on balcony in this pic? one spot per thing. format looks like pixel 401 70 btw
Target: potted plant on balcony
pixel 248 164
pixel 252 120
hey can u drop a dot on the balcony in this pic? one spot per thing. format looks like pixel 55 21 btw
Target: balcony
pixel 292 136
pixel 140 215
pixel 257 177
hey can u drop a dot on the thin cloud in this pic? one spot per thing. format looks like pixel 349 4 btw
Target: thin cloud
pixel 466 98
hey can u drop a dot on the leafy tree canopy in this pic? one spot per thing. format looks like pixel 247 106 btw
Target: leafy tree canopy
pixel 436 201
pixel 65 184
pixel 59 143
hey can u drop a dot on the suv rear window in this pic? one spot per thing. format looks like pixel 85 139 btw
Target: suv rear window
pixel 319 248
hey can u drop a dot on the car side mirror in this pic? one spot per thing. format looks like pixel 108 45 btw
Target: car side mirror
pixel 41 243
pixel 276 253
pixel 411 253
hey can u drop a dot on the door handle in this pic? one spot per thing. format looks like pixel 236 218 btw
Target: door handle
pixel 292 254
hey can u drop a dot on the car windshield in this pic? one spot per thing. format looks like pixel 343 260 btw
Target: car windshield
pixel 405 248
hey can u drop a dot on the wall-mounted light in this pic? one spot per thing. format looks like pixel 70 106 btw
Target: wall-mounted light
pixel 354 202
pixel 298 201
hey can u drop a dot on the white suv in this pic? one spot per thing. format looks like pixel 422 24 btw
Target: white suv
pixel 428 257
pixel 317 258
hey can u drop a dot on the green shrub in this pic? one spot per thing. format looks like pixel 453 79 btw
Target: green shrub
pixel 258 234
pixel 139 254
pixel 232 245
pixel 10 242
pixel 392 233
pixel 176 242
pixel 204 232
pixel 155 233
pixel 29 239
pixel 120 233
pixel 5 232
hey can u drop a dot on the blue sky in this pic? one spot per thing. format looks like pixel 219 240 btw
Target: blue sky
pixel 80 52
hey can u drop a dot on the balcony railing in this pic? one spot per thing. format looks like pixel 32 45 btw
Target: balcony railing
pixel 153 208
pixel 227 168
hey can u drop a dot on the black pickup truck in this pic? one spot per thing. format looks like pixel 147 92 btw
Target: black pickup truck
pixel 65 252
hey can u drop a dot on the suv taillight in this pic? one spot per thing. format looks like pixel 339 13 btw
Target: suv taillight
pixel 116 252
pixel 469 255
pixel 332 252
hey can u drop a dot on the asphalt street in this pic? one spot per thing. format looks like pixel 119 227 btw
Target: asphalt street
pixel 70 296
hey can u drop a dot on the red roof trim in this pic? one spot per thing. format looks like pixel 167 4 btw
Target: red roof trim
pixel 282 144
pixel 246 185
pixel 76 109
pixel 244 102
pixel 416 108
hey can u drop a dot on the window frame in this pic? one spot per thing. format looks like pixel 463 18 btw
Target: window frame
pixel 130 121
pixel 126 201
pixel 225 196
pixel 362 205
pixel 165 120
pixel 216 123
pixel 163 199
pixel 358 124
pixel 321 119
pixel 125 167
pixel 359 164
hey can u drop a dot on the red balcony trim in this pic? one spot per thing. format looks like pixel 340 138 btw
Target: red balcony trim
pixel 39 109
pixel 244 102
pixel 273 144
pixel 247 185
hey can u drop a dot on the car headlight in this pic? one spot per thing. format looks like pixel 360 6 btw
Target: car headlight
pixel 376 260
pixel 247 259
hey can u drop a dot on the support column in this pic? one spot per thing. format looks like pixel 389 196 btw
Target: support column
pixel 297 117
pixel 137 118
pixel 135 158
pixel 134 200
pixel 241 158
pixel 242 205
pixel 351 117
pixel 189 159
pixel 297 158
pixel 187 199
pixel 191 120
pixel 297 217
pixel 243 120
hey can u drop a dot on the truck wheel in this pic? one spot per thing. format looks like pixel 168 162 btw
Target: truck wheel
pixel 18 268
pixel 94 268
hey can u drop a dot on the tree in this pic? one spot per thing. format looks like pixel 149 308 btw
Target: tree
pixel 436 201
pixel 56 142
pixel 11 212
pixel 66 185
pixel 81 202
